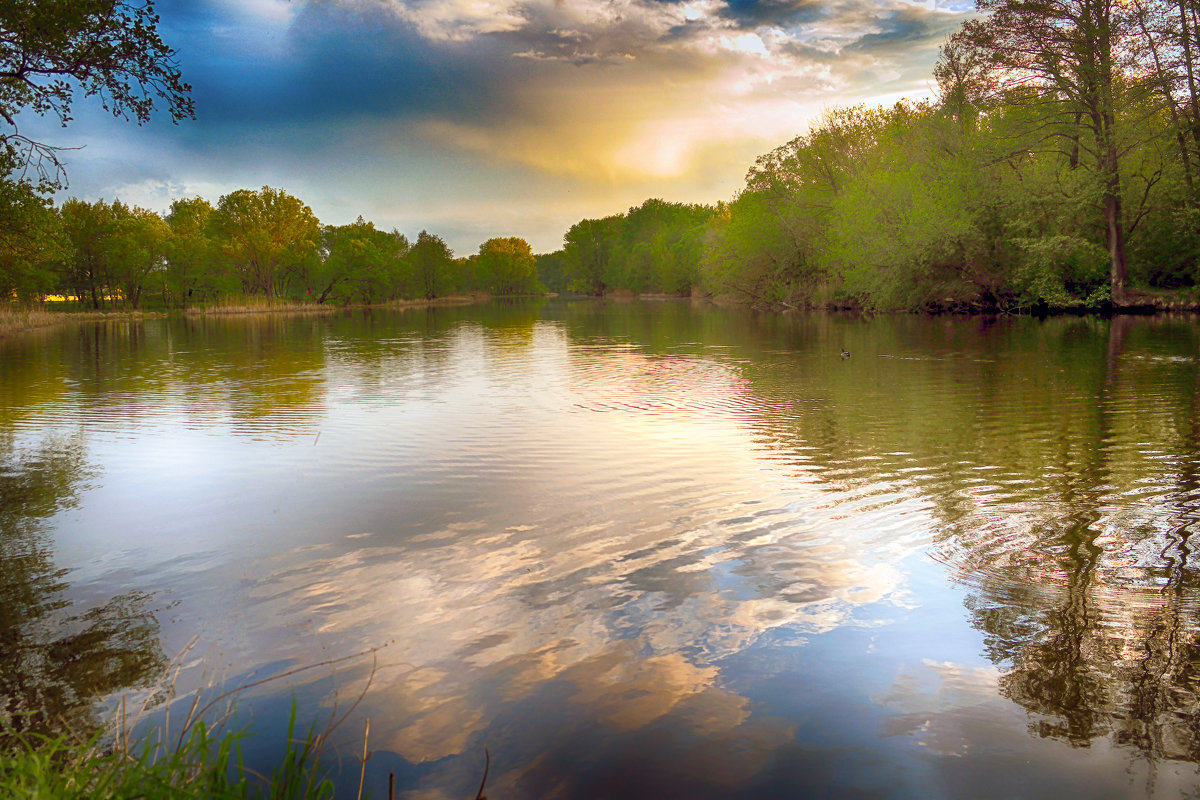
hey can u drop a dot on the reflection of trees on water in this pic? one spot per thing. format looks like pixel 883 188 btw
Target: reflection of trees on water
pixel 55 662
pixel 1134 677
pixel 1091 607
pixel 1060 462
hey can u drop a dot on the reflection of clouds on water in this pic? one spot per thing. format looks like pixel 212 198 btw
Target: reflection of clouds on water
pixel 629 692
pixel 942 707
pixel 481 618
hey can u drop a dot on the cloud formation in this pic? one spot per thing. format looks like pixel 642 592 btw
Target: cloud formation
pixel 570 108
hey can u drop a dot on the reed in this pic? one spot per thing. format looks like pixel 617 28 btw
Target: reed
pixel 16 319
pixel 252 304
pixel 202 759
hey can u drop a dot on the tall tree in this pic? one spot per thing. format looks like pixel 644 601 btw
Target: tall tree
pixel 86 227
pixel 136 249
pixel 31 241
pixel 587 248
pixel 195 269
pixel 431 263
pixel 507 266
pixel 1068 54
pixel 360 263
pixel 266 235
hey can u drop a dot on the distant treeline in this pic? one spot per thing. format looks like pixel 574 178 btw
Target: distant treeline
pixel 264 244
pixel 1057 168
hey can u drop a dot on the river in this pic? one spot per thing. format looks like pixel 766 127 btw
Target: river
pixel 633 549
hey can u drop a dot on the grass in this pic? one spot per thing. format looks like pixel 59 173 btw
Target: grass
pixel 203 759
pixel 261 305
pixel 16 319
pixel 19 319
pixel 258 305
pixel 204 763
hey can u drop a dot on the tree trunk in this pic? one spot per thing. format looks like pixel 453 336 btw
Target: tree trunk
pixel 1118 267
pixel 1074 155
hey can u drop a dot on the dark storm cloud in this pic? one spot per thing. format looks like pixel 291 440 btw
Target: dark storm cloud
pixel 334 62
pixel 751 14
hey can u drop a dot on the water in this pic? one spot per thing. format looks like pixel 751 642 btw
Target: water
pixel 632 549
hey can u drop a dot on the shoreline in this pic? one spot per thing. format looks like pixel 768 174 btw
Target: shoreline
pixel 16 320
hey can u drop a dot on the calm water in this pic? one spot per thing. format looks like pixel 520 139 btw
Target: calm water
pixel 635 550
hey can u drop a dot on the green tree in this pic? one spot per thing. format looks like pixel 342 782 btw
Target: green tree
pixel 772 243
pixel 52 50
pixel 136 246
pixel 432 264
pixel 360 263
pixel 658 247
pixel 32 242
pixel 507 266
pixel 1067 56
pixel 587 250
pixel 904 228
pixel 552 271
pixel 196 269
pixel 266 235
pixel 86 227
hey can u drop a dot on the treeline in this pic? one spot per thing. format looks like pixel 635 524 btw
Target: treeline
pixel 655 248
pixel 252 244
pixel 1057 168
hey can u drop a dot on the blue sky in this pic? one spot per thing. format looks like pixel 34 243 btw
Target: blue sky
pixel 481 118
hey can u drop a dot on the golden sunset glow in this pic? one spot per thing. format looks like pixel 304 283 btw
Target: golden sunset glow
pixel 460 114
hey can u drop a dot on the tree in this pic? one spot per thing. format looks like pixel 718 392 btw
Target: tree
pixel 1067 54
pixel 86 226
pixel 31 242
pixel 431 262
pixel 195 268
pixel 657 249
pixel 771 244
pixel 552 271
pixel 507 266
pixel 587 248
pixel 266 235
pixel 360 263
pixel 51 50
pixel 136 246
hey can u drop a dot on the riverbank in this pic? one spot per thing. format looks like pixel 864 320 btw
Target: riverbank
pixel 1136 301
pixel 17 320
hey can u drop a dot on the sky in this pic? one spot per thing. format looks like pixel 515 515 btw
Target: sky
pixel 480 118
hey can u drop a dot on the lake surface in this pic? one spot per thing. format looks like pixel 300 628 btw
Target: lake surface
pixel 634 549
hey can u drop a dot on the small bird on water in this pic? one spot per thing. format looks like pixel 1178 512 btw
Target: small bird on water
pixel 845 353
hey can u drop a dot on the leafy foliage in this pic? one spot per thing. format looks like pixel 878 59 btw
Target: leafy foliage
pixel 507 266
pixel 266 235
pixel 53 50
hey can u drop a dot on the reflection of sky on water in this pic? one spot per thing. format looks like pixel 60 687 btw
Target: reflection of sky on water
pixel 586 567
pixel 704 568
